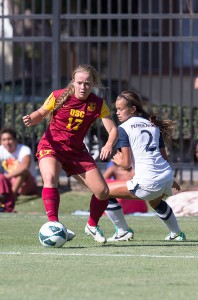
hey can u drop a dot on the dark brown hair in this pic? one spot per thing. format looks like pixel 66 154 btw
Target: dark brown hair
pixel 166 126
pixel 10 131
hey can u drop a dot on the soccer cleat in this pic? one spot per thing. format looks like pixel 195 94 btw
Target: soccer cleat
pixel 96 232
pixel 126 236
pixel 70 235
pixel 180 237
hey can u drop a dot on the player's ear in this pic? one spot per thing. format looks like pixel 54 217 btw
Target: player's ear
pixel 133 109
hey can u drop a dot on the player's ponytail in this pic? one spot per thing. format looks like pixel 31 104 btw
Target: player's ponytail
pixel 60 101
pixel 166 126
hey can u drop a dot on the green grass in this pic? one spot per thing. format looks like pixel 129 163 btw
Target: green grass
pixel 146 268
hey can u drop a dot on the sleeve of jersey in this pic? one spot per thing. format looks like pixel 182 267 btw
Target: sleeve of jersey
pixel 123 140
pixel 161 141
pixel 25 150
pixel 49 103
pixel 104 111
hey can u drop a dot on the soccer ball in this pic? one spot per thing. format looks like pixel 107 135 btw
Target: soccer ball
pixel 53 234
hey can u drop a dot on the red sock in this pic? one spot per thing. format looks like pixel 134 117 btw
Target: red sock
pixel 97 208
pixel 51 200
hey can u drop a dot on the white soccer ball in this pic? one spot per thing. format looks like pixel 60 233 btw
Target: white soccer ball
pixel 53 234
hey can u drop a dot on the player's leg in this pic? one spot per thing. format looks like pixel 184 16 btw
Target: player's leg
pixel 119 189
pixel 96 208
pixel 95 182
pixel 155 196
pixel 166 214
pixel 50 170
pixel 115 213
pixel 162 209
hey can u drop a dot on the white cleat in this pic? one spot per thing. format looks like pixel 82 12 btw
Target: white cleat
pixel 126 236
pixel 180 237
pixel 96 232
pixel 70 235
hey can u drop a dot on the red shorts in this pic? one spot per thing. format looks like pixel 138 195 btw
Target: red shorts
pixel 73 162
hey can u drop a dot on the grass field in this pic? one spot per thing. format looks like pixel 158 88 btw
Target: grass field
pixel 146 268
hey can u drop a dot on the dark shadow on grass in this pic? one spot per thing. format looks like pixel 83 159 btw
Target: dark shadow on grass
pixel 73 248
pixel 68 247
pixel 176 244
pixel 80 247
pixel 84 247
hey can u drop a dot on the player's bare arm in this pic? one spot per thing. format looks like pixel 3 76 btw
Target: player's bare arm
pixel 38 115
pixel 111 128
pixel 123 158
pixel 35 117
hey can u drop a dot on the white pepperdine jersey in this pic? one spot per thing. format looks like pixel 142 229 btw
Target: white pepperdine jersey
pixel 144 140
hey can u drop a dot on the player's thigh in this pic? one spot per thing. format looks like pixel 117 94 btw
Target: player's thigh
pixel 95 182
pixel 118 189
pixel 50 170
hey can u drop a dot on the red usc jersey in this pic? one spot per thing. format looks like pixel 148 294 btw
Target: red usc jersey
pixel 71 122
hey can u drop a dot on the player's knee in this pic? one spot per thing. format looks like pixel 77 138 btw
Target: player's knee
pixel 103 194
pixel 49 180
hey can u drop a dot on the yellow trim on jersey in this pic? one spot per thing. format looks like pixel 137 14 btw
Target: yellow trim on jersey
pixel 49 103
pixel 104 111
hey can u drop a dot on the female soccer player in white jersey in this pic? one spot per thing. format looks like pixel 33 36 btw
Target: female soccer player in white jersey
pixel 141 146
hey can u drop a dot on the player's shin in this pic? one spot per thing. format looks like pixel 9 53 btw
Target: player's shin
pixel 115 213
pixel 97 208
pixel 165 213
pixel 51 200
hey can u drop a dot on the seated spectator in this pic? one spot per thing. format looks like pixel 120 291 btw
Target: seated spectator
pixel 17 173
pixel 112 173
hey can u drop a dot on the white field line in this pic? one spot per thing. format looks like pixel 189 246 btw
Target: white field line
pixel 100 255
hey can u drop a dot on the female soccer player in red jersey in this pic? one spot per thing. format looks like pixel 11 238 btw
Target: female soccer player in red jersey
pixel 70 113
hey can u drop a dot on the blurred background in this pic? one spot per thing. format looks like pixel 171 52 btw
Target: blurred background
pixel 150 46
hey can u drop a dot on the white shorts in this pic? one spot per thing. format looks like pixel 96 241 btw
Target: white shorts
pixel 150 192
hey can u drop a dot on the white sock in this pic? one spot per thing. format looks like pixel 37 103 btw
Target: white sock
pixel 115 213
pixel 165 213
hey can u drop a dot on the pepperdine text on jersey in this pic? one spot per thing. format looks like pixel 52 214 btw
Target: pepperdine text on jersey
pixel 142 125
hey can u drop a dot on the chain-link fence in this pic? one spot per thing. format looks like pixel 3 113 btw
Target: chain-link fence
pixel 150 46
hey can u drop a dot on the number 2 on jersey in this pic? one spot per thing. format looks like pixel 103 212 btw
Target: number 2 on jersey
pixel 148 148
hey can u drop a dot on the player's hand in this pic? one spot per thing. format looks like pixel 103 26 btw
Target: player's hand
pixel 117 158
pixel 176 186
pixel 27 120
pixel 106 152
